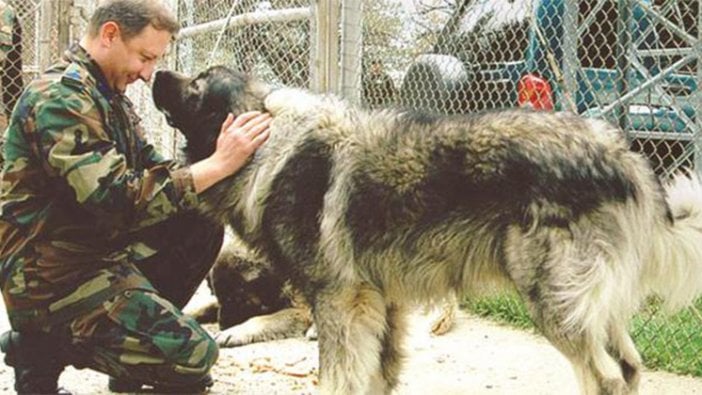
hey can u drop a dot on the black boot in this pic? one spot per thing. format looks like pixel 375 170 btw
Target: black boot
pixel 36 361
pixel 196 388
pixel 128 385
pixel 123 385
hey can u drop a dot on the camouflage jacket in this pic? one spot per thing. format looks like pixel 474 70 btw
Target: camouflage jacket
pixel 78 183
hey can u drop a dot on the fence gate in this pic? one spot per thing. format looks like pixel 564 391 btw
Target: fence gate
pixel 656 57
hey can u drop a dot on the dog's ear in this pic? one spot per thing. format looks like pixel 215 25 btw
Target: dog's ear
pixel 256 92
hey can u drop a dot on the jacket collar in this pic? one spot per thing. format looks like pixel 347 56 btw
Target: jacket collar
pixel 78 55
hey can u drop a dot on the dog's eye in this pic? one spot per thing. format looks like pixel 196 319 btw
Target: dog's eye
pixel 193 93
pixel 196 86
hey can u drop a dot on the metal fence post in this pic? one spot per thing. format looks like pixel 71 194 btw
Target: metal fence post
pixel 324 52
pixel 64 24
pixel 171 60
pixel 623 51
pixel 570 54
pixel 184 49
pixel 45 35
pixel 351 50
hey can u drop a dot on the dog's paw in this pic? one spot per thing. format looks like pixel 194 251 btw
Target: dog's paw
pixel 283 324
pixel 446 319
pixel 442 324
pixel 291 100
pixel 234 337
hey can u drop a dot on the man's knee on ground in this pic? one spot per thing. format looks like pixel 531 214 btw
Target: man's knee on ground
pixel 189 367
pixel 154 332
pixel 199 355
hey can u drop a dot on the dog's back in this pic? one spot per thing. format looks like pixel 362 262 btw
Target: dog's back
pixel 426 191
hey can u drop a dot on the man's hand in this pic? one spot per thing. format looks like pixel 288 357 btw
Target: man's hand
pixel 238 140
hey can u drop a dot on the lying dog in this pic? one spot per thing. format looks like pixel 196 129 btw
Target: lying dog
pixel 254 303
pixel 367 213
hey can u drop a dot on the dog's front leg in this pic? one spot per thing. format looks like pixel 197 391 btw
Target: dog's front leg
pixel 351 324
pixel 283 324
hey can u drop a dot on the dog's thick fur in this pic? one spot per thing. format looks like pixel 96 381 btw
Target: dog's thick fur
pixel 255 303
pixel 368 212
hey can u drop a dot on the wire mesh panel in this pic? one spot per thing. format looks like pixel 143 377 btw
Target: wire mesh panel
pixel 388 47
pixel 269 38
pixel 16 23
pixel 630 61
pixel 28 38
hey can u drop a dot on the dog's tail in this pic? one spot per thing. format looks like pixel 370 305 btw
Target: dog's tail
pixel 675 272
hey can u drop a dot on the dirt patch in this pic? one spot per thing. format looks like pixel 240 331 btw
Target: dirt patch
pixel 476 357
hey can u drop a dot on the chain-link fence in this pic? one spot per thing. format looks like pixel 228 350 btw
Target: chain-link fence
pixel 11 79
pixel 633 62
pixel 31 33
pixel 268 38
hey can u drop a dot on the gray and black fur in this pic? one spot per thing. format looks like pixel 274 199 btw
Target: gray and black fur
pixel 369 212
pixel 254 303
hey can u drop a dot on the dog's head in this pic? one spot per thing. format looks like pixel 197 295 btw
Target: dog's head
pixel 245 288
pixel 198 105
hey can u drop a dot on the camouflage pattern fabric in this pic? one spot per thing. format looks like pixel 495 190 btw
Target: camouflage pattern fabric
pixel 78 183
pixel 140 336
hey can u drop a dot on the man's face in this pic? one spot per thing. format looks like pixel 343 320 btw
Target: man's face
pixel 135 58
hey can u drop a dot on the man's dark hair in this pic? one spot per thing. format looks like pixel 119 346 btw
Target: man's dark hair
pixel 133 16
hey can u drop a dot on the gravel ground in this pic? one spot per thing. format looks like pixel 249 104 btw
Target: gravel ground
pixel 476 357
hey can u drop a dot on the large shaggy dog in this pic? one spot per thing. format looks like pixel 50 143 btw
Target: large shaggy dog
pixel 368 212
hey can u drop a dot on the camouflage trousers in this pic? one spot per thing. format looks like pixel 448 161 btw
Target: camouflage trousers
pixel 143 336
